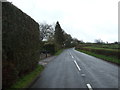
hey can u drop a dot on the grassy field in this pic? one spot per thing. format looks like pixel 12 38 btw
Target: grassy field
pixel 102 48
pixel 26 80
pixel 108 52
pixel 106 46
pixel 110 59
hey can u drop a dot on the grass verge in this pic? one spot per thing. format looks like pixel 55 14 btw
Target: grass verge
pixel 26 80
pixel 59 52
pixel 107 58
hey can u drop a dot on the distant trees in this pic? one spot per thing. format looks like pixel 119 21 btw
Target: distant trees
pixel 56 38
pixel 116 42
pixel 76 42
pixel 59 36
pixel 98 41
pixel 68 40
pixel 64 40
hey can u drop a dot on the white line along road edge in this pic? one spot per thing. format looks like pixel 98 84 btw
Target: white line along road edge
pixel 89 87
pixel 77 65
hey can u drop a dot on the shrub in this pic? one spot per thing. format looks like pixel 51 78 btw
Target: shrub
pixel 50 48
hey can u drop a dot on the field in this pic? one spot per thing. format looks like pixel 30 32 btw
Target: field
pixel 108 52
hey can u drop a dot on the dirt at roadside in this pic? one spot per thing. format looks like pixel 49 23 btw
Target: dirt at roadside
pixel 44 62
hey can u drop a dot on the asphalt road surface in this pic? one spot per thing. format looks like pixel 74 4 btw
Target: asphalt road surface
pixel 73 69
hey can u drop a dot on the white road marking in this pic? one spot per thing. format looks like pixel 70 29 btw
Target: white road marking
pixel 77 65
pixel 89 87
pixel 83 75
pixel 72 57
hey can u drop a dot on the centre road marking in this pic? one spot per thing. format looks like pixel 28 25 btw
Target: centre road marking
pixel 72 57
pixel 89 87
pixel 77 65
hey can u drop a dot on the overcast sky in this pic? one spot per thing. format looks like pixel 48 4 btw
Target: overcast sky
pixel 85 20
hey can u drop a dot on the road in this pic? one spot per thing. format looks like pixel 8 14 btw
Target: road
pixel 73 69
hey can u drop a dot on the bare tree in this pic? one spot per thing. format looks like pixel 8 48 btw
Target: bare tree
pixel 46 31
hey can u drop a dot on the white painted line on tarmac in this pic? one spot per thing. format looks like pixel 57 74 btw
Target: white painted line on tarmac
pixel 77 65
pixel 72 57
pixel 89 87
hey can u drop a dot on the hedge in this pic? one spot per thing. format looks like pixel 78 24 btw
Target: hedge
pixel 20 43
pixel 113 53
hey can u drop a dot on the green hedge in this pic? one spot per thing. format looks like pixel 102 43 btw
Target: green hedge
pixel 110 59
pixel 20 43
pixel 113 53
pixel 50 48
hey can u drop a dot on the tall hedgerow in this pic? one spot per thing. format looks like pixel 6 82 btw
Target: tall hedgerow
pixel 20 43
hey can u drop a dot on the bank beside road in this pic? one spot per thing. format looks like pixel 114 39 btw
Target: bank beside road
pixel 25 81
